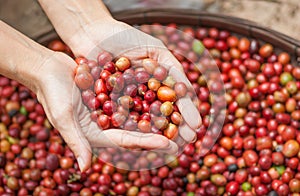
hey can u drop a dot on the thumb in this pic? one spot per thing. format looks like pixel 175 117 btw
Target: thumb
pixel 185 104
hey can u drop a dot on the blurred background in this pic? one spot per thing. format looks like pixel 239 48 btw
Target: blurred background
pixel 280 15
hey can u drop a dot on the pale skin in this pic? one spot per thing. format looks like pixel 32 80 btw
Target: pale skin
pixel 84 25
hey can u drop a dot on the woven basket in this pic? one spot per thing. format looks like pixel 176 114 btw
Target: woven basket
pixel 197 18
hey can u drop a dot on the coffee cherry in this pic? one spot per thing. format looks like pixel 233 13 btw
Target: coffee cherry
pixel 150 65
pixel 118 119
pixel 142 76
pixel 126 102
pixel 153 84
pixel 232 188
pixel 180 89
pixel 176 118
pixel 100 86
pixel 122 64
pixel 165 93
pixel 290 148
pixel 266 50
pixel 81 68
pixel 84 80
pixel 144 126
pixel 103 121
pixel 171 132
pixel 160 73
pixel 160 123
pixel 103 58
pixel 166 108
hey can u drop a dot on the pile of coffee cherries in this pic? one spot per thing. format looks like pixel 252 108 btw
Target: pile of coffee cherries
pixel 256 154
pixel 136 99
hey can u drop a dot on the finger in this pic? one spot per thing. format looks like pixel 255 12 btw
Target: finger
pixel 171 149
pixel 78 143
pixel 187 134
pixel 136 57
pixel 185 104
pixel 189 112
pixel 179 76
pixel 168 60
pixel 71 133
pixel 133 140
pixel 180 141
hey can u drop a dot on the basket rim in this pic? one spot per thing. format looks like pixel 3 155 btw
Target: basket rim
pixel 198 17
pixel 199 14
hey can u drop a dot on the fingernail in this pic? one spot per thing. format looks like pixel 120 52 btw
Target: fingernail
pixel 170 148
pixel 167 149
pixel 80 163
pixel 194 139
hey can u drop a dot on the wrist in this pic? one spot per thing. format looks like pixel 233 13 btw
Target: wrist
pixel 30 74
pixel 20 56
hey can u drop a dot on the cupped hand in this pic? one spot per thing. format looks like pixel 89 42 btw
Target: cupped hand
pixel 121 39
pixel 64 108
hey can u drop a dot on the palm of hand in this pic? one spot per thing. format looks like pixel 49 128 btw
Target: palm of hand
pixel 123 40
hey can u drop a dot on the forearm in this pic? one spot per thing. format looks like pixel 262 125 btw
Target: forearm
pixel 20 56
pixel 71 18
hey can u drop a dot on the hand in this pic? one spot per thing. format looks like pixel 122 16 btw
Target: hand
pixel 88 28
pixel 62 102
pixel 121 39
